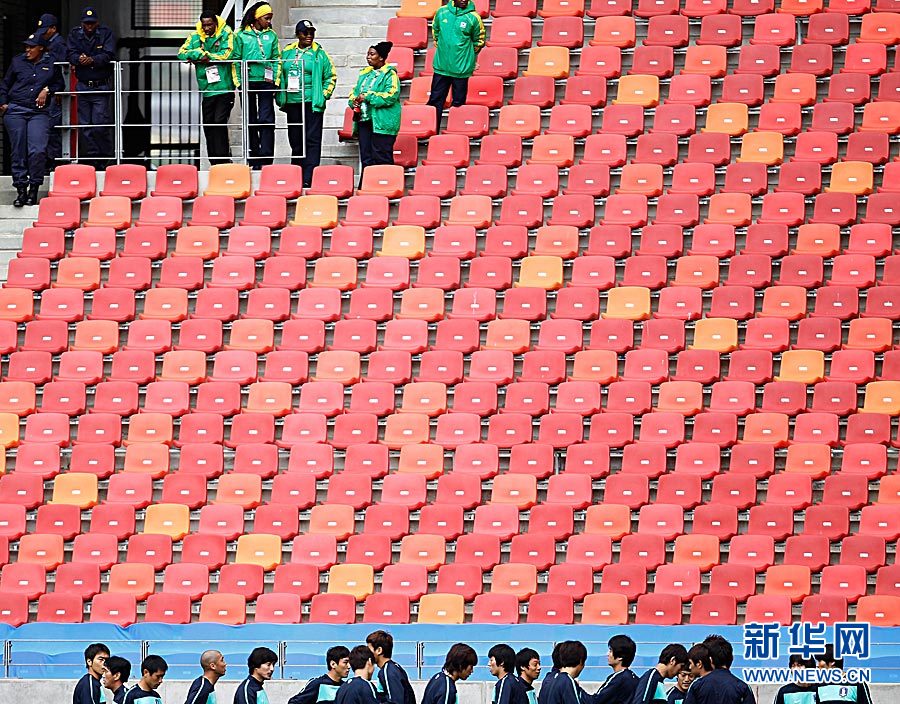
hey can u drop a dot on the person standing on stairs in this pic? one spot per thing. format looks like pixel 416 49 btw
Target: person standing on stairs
pixel 56 47
pixel 213 42
pixel 458 37
pixel 256 44
pixel 375 100
pixel 25 94
pixel 307 82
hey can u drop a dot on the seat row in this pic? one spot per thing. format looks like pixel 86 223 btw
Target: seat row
pixel 645 9
pixel 673 30
pixel 600 609
pixel 603 57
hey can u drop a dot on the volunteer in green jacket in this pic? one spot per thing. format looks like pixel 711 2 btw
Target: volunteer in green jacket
pixel 307 82
pixel 458 37
pixel 213 42
pixel 376 103
pixel 257 45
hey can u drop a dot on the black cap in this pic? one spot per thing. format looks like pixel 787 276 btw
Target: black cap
pixel 34 40
pixel 304 26
pixel 89 15
pixel 48 20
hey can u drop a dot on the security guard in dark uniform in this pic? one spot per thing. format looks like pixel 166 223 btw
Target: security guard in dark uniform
pixel 25 94
pixel 91 51
pixel 48 25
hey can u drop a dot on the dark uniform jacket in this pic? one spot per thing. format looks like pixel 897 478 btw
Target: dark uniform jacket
pixel 100 46
pixel 20 86
pixel 617 689
pixel 87 690
pixel 318 689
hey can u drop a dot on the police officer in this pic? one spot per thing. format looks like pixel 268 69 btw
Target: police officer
pixel 92 49
pixel 56 47
pixel 25 94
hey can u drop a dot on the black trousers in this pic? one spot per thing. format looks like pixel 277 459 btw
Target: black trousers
pixel 28 130
pixel 216 110
pixel 54 141
pixel 261 116
pixel 374 148
pixel 95 144
pixel 312 124
pixel 440 89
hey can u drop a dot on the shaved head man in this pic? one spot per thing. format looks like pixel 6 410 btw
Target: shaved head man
pixel 203 689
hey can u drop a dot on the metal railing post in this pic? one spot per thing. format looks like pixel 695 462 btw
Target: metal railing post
pixel 117 108
pixel 420 658
pixel 145 649
pixel 245 129
pixel 282 656
pixel 7 656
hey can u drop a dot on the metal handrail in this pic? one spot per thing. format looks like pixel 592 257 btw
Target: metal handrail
pixel 120 93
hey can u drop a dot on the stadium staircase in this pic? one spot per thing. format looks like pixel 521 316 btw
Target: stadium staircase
pixel 618 346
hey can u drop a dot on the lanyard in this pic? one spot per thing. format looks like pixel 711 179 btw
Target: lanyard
pixel 300 60
pixel 259 42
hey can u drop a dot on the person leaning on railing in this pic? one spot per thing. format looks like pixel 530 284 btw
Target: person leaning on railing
pixel 376 106
pixel 29 85
pixel 307 82
pixel 210 43
pixel 257 44
pixel 92 49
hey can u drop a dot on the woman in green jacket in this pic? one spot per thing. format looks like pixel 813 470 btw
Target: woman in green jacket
pixel 307 82
pixel 376 101
pixel 257 45
pixel 211 43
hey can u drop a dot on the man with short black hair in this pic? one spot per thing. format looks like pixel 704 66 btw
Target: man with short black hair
pixel 393 683
pixel 458 665
pixel 550 677
pixel 203 689
pixel 325 687
pixel 828 693
pixel 87 690
pixel 719 686
pixel 115 675
pixel 153 670
pixel 797 692
pixel 359 690
pixel 699 662
pixel 651 687
pixel 528 669
pixel 619 687
pixel 682 681
pixel 261 666
pixel 572 657
pixel 502 664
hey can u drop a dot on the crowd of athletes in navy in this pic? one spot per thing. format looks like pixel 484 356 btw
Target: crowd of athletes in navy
pixel 367 674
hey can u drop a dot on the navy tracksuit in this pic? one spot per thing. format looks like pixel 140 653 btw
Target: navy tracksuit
pixel 94 87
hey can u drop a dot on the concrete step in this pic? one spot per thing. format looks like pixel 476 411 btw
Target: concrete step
pixel 340 14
